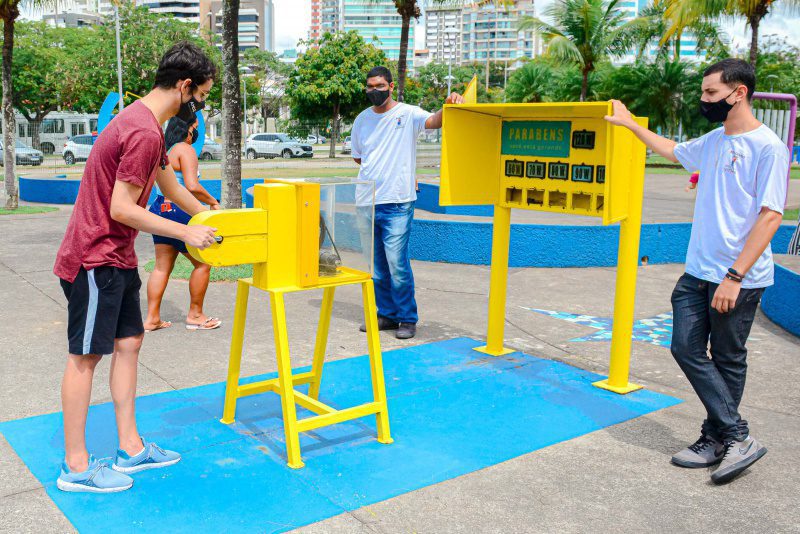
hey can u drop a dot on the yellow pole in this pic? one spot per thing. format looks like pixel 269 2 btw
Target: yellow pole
pixel 498 284
pixel 285 382
pixel 625 294
pixel 376 361
pixel 235 361
pixel 322 341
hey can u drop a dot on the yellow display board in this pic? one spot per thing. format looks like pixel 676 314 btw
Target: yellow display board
pixel 554 157
pixel 545 157
pixel 281 237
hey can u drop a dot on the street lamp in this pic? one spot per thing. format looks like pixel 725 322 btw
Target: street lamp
pixel 243 71
pixel 772 78
pixel 452 34
pixel 119 58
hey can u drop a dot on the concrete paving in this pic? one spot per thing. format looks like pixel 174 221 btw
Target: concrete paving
pixel 616 479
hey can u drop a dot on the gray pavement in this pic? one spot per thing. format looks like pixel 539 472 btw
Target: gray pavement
pixel 615 479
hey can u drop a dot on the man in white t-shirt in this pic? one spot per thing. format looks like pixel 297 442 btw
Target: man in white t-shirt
pixel 740 199
pixel 384 143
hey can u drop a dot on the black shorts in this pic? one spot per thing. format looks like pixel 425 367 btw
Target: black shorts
pixel 103 305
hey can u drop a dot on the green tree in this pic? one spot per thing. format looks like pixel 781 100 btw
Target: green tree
pixel 681 13
pixel 582 32
pixel 778 66
pixel 665 91
pixel 269 76
pixel 9 12
pixel 38 73
pixel 533 82
pixel 650 29
pixel 328 80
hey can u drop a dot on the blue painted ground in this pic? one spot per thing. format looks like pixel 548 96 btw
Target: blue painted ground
pixel 452 410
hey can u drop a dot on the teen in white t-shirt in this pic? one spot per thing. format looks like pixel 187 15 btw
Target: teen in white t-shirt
pixel 741 195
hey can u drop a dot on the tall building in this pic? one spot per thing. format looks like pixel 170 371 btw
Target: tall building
pixel 443 36
pixel 325 17
pixel 185 10
pixel 379 23
pixel 632 8
pixel 489 33
pixel 256 23
pixel 72 19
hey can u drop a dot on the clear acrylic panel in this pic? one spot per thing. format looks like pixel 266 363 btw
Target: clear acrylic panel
pixel 347 209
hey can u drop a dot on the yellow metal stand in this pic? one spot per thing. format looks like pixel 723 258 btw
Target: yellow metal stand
pixel 625 294
pixel 561 157
pixel 498 284
pixel 286 382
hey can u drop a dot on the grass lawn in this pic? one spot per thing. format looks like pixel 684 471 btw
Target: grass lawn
pixel 27 210
pixel 791 215
pixel 183 268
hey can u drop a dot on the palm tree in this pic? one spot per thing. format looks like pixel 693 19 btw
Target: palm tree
pixel 231 107
pixel 530 83
pixel 582 32
pixel 650 27
pixel 683 12
pixel 9 12
pixel 664 91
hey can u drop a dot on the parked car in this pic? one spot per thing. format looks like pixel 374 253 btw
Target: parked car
pixel 272 145
pixel 77 148
pixel 346 145
pixel 25 154
pixel 314 139
pixel 211 150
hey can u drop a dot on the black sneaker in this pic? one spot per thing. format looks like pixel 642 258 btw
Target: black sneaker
pixel 739 455
pixel 406 331
pixel 383 324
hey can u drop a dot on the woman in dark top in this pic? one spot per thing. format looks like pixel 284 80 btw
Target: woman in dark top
pixel 179 137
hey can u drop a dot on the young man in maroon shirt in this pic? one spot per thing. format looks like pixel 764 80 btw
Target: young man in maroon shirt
pixel 97 265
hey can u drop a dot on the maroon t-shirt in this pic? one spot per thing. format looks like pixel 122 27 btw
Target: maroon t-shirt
pixel 130 149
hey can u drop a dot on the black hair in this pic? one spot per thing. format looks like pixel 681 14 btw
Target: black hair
pixel 177 132
pixel 735 72
pixel 383 72
pixel 184 60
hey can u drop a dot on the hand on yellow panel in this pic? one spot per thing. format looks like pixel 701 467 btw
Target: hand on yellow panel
pixel 454 98
pixel 621 116
pixel 199 236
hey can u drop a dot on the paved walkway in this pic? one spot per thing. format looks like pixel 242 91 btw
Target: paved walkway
pixel 614 479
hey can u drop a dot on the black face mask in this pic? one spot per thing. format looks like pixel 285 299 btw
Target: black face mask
pixel 716 111
pixel 195 135
pixel 377 98
pixel 188 109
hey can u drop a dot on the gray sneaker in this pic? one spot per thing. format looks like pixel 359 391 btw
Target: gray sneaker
pixel 739 455
pixel 704 452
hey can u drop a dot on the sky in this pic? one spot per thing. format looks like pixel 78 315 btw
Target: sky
pixel 292 19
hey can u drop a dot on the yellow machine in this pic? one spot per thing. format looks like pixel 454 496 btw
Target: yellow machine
pixel 556 157
pixel 280 236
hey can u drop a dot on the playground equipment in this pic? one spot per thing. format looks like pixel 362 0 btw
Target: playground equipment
pixel 290 238
pixel 556 157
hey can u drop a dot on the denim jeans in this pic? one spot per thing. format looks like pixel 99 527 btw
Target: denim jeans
pixel 719 379
pixel 394 281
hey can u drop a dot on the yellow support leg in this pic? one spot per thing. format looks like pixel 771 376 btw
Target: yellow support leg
pixel 322 341
pixel 625 296
pixel 235 361
pixel 285 382
pixel 376 362
pixel 501 237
